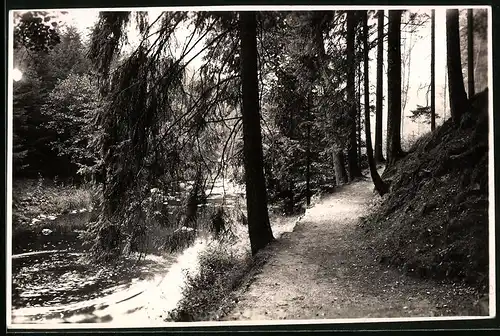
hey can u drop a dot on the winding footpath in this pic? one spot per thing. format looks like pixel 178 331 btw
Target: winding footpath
pixel 323 270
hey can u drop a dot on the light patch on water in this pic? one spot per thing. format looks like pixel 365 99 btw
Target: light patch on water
pixel 22 255
pixel 227 188
pixel 146 302
pixel 164 297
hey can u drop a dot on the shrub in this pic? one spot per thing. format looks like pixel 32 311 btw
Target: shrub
pixel 39 198
pixel 208 293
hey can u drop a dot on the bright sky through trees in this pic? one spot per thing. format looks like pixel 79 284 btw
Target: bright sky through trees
pixel 17 75
pixel 84 19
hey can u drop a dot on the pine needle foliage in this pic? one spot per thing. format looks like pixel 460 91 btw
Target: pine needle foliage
pixel 161 124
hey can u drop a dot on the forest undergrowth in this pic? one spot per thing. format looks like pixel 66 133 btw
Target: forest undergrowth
pixel 434 222
pixel 224 266
pixel 35 200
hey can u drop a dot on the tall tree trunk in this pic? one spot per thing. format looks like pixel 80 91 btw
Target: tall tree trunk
pixel 290 196
pixel 379 156
pixel 445 101
pixel 358 107
pixel 352 155
pixel 193 200
pixel 470 52
pixel 339 167
pixel 338 156
pixel 458 97
pixel 394 151
pixel 258 219
pixel 380 186
pixel 308 152
pixel 433 70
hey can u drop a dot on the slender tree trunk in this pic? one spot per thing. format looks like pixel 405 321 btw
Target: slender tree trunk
pixel 394 151
pixel 111 195
pixel 406 76
pixel 258 219
pixel 470 52
pixel 338 156
pixel 358 107
pixel 352 155
pixel 308 152
pixel 380 186
pixel 379 157
pixel 193 200
pixel 445 91
pixel 290 191
pixel 433 70
pixel 339 167
pixel 458 97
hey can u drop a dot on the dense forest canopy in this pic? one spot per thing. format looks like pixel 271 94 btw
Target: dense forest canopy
pixel 281 100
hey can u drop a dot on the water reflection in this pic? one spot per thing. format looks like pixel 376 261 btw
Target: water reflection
pixel 146 301
pixel 52 284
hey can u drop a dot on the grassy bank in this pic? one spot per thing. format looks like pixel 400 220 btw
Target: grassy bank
pixel 209 293
pixel 224 268
pixel 213 291
pixel 35 202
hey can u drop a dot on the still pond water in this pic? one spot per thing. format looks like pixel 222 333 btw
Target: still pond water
pixel 51 283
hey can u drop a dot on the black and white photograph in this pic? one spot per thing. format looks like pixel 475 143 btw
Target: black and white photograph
pixel 249 165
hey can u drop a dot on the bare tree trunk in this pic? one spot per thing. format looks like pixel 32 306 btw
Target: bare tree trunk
pixel 193 200
pixel 308 152
pixel 433 70
pixel 352 155
pixel 379 157
pixel 358 107
pixel 339 167
pixel 445 92
pixel 338 156
pixel 380 186
pixel 470 52
pixel 394 151
pixel 258 219
pixel 406 79
pixel 458 97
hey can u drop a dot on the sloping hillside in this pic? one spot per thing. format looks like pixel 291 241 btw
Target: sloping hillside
pixel 434 222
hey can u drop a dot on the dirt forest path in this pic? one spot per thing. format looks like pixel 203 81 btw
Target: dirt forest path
pixel 323 270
